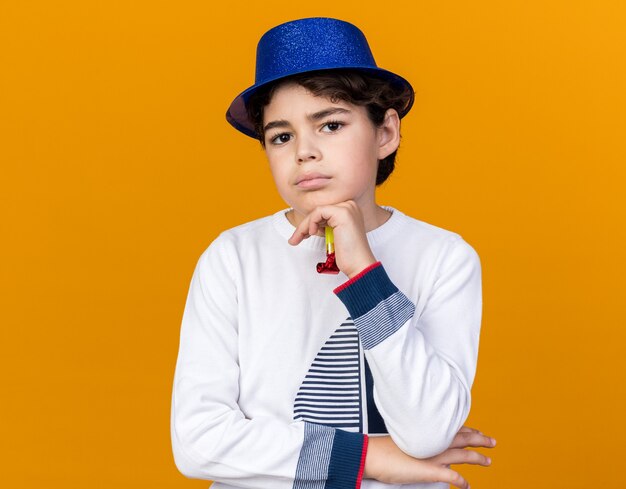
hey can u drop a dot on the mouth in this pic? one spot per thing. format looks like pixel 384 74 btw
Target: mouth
pixel 312 181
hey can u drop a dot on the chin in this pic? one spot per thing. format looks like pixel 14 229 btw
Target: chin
pixel 304 206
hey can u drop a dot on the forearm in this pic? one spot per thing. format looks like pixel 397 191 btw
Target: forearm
pixel 419 394
pixel 422 366
pixel 264 452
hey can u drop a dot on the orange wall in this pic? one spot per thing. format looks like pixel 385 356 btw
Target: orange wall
pixel 118 169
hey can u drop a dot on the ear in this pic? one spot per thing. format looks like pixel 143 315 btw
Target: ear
pixel 389 134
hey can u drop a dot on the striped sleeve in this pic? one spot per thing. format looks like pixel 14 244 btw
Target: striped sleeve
pixel 330 459
pixel 375 304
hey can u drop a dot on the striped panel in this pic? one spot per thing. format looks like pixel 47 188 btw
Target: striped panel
pixel 331 391
pixel 330 459
pixel 385 319
pixel 312 469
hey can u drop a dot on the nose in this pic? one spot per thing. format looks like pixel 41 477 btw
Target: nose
pixel 306 150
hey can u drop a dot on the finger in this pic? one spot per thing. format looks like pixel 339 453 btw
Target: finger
pixel 298 236
pixel 472 439
pixel 332 215
pixel 315 226
pixel 460 456
pixel 452 477
pixel 300 233
pixel 317 219
pixel 310 225
pixel 467 428
pixel 430 472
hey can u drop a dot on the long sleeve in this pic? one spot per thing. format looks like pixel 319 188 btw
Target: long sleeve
pixel 423 365
pixel 211 436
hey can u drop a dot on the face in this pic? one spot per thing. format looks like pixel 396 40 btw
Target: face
pixel 321 152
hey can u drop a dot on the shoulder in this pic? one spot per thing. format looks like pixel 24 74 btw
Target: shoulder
pixel 410 228
pixel 430 240
pixel 236 240
pixel 429 231
pixel 248 230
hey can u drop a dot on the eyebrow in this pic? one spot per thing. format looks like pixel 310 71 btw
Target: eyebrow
pixel 316 116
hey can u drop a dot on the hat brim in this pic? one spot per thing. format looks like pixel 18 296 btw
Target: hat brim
pixel 237 114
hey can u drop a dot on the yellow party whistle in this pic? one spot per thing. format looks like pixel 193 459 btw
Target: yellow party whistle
pixel 329 266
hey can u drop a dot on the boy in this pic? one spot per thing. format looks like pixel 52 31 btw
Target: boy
pixel 287 378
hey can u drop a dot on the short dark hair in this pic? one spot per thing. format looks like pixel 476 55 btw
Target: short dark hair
pixel 376 94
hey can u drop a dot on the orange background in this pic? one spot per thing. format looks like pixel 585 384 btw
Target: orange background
pixel 118 169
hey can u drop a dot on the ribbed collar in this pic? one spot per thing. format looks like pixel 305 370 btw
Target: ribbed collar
pixel 382 233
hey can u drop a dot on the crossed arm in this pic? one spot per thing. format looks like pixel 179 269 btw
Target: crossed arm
pixel 441 345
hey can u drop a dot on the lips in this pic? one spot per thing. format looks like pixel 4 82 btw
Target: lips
pixel 312 180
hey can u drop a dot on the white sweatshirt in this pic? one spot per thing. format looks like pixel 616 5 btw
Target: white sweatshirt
pixel 283 373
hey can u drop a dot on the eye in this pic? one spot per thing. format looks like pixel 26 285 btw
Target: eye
pixel 281 138
pixel 332 126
